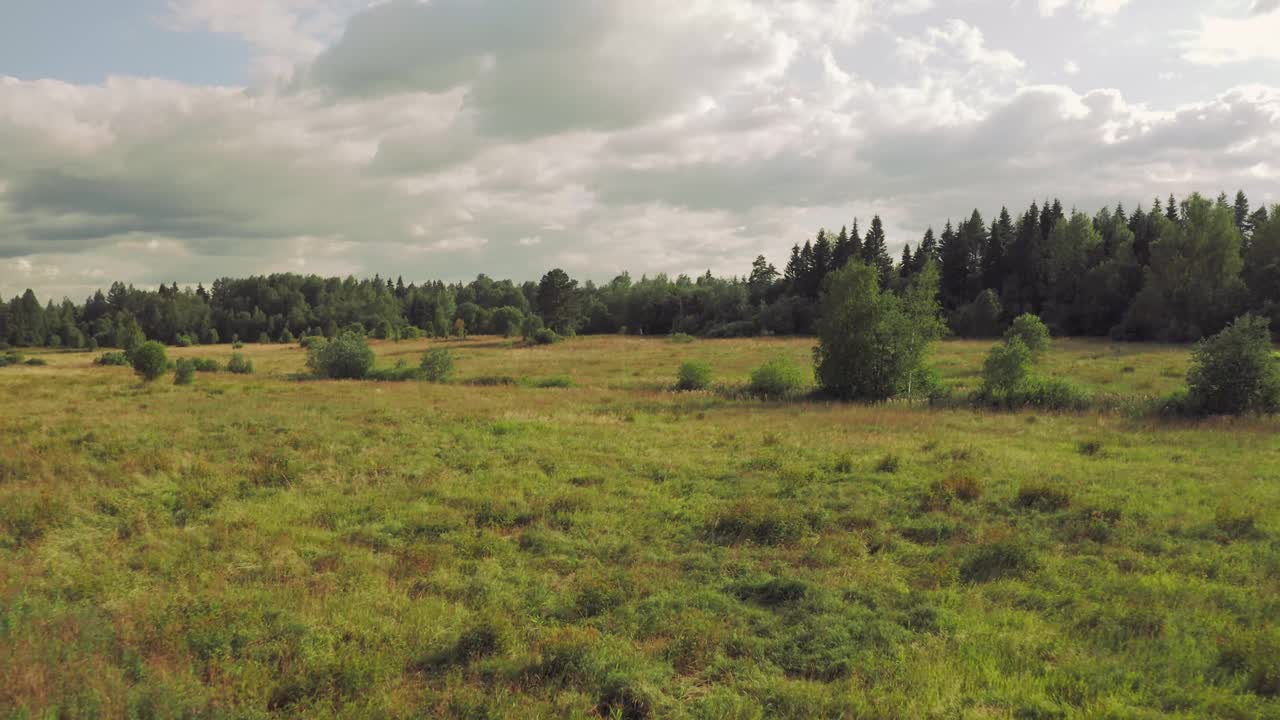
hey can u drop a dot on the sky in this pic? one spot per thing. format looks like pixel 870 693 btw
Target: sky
pixel 158 141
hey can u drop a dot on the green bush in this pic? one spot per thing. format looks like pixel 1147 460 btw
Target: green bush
pixel 555 381
pixel 1055 394
pixel 240 365
pixel 1032 332
pixel 184 373
pixel 997 561
pixel 546 336
pixel 311 341
pixel 693 376
pixel 149 360
pixel 184 340
pixel 778 378
pixel 14 358
pixel 237 345
pixel 682 338
pixel 36 362
pixel 205 365
pixel 437 365
pixel 346 357
pixel 1043 497
pixel 113 359
pixel 1005 371
pixel 1233 372
pixel 872 341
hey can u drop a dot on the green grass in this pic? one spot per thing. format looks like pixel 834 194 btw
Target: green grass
pixel 254 546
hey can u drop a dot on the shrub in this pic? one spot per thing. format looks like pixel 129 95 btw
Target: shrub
pixel 36 362
pixel 264 339
pixel 1055 394
pixel 889 464
pixel 545 336
pixel 237 345
pixel 555 381
pixel 437 365
pixel 310 342
pixel 1043 497
pixel 240 365
pixel 759 522
pixel 507 321
pixel 1005 371
pixel 205 365
pixel 693 376
pixel 346 357
pixel 737 329
pixel 149 360
pixel 778 378
pixel 871 342
pixel 13 358
pixel 681 338
pixel 996 561
pixel 113 359
pixel 185 373
pixel 492 381
pixel 1233 373
pixel 184 340
pixel 1031 331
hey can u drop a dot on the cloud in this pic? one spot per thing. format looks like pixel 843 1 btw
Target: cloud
pixel 1102 10
pixel 539 67
pixel 1223 40
pixel 959 39
pixel 444 139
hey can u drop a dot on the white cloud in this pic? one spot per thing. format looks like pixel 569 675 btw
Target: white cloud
pixel 1222 40
pixel 464 136
pixel 1071 67
pixel 1102 10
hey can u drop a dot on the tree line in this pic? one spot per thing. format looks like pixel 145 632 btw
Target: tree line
pixel 1175 271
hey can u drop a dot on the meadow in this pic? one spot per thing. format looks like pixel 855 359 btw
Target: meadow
pixel 504 546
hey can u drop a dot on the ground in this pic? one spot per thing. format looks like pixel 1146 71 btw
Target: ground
pixel 263 546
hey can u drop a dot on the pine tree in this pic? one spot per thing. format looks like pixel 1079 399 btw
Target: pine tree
pixel 926 251
pixel 822 258
pixel 808 287
pixel 954 284
pixel 908 264
pixel 1171 209
pixel 1244 222
pixel 994 255
pixel 875 251
pixel 794 270
pixel 840 254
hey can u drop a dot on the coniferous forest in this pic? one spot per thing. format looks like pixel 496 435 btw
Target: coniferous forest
pixel 1174 271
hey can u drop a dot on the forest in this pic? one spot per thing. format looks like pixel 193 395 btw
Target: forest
pixel 1176 271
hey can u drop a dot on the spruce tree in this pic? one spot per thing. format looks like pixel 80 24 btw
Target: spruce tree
pixel 926 251
pixel 908 264
pixel 875 251
pixel 954 282
pixel 840 253
pixel 1171 209
pixel 994 255
pixel 823 254
pixel 1243 219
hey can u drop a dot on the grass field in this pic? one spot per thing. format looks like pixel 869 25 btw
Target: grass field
pixel 257 546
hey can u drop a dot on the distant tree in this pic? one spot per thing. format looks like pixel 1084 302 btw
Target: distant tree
pixel 1234 371
pixel 994 261
pixel 507 320
pixel 1262 267
pixel 870 343
pixel 149 360
pixel 558 302
pixel 1031 332
pixel 346 357
pixel 1192 286
pixel 185 372
pixel 875 251
pixel 1006 370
